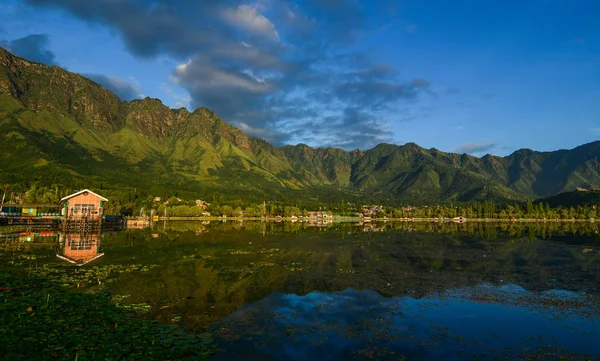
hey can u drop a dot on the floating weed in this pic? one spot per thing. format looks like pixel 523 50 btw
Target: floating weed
pixel 72 277
pixel 262 264
pixel 240 252
pixel 201 256
pixel 294 267
pixel 269 251
pixel 138 308
pixel 43 320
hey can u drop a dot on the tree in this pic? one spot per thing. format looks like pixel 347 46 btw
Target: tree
pixel 291 211
pixel 251 212
pixel 237 212
pixel 226 210
pixel 112 207
pixel 529 208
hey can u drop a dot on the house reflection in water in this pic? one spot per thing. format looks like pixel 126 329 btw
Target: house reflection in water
pixel 79 248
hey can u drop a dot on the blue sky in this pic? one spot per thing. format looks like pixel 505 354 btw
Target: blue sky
pixel 461 76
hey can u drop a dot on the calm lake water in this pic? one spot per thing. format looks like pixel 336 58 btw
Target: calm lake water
pixel 270 291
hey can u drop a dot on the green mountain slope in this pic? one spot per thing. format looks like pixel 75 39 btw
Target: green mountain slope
pixel 572 199
pixel 61 129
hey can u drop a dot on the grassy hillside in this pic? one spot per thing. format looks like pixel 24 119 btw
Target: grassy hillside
pixel 573 199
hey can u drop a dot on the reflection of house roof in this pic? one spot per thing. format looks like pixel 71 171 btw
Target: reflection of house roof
pixel 83 191
pixel 79 262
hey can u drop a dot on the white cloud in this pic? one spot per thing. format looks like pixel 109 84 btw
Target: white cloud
pixel 134 81
pixel 475 147
pixel 201 72
pixel 249 19
pixel 251 74
pixel 178 100
pixel 125 89
pixel 182 68
pixel 264 133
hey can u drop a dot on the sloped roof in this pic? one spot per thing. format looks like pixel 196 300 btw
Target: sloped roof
pixel 79 262
pixel 80 192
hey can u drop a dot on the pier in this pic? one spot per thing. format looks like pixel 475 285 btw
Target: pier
pixel 79 212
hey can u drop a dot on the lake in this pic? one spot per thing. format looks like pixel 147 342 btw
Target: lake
pixel 414 291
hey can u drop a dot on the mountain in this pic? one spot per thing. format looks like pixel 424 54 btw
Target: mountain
pixel 573 199
pixel 60 129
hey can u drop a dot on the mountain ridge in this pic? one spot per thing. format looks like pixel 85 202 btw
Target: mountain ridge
pixel 68 124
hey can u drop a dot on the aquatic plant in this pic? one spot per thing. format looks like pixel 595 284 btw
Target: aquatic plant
pixel 43 318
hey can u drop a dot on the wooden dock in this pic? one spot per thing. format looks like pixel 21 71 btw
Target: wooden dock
pixel 80 224
pixel 31 220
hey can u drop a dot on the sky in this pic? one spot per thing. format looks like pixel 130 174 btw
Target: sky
pixel 476 76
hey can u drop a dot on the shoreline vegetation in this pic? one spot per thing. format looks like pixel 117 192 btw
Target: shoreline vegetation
pixel 178 209
pixel 337 219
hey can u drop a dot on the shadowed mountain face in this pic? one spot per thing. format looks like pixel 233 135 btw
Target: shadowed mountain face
pixel 60 128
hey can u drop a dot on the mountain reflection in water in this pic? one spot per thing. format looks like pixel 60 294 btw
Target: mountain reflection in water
pixel 347 290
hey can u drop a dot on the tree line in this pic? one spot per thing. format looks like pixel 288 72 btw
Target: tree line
pixel 132 202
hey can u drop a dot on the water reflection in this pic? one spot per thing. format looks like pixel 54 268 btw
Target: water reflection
pixel 362 324
pixel 205 272
pixel 30 237
pixel 255 280
pixel 487 230
pixel 79 248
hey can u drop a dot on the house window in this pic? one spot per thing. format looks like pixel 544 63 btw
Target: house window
pixel 81 244
pixel 84 209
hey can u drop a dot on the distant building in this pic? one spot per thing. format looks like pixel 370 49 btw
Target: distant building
pixel 371 211
pixel 202 204
pixel 580 189
pixel 319 218
pixel 83 204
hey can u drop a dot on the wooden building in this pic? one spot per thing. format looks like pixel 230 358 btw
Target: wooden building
pixel 83 205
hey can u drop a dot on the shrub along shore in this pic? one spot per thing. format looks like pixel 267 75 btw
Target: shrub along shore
pixel 362 219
